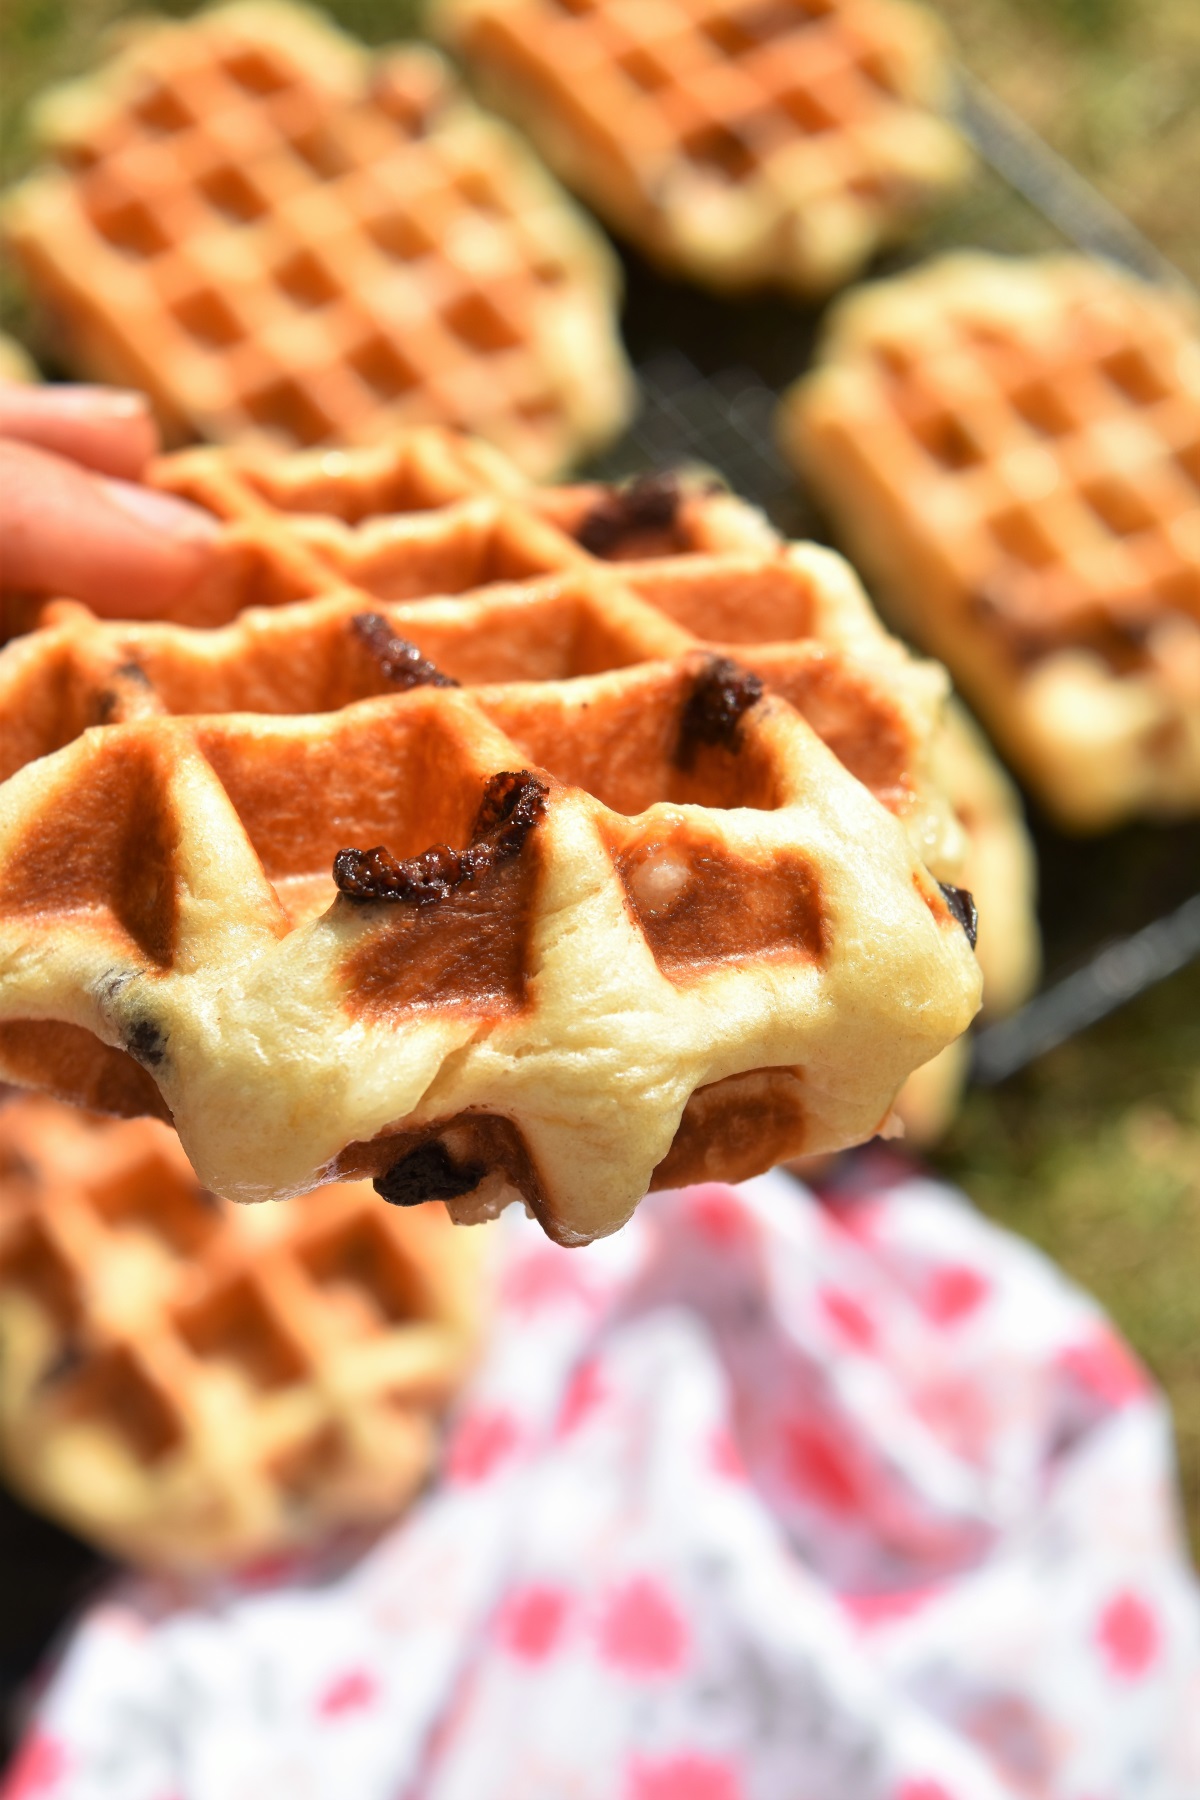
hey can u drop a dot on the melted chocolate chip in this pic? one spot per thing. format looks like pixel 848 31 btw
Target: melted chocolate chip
pixel 962 905
pixel 146 1041
pixel 647 503
pixel 512 804
pixel 723 691
pixel 128 674
pixel 427 1173
pixel 400 662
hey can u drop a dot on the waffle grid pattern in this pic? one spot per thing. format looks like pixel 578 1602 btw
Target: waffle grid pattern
pixel 277 240
pixel 684 935
pixel 749 142
pixel 197 1383
pixel 431 515
pixel 1032 436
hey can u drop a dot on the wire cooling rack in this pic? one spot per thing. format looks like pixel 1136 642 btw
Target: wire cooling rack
pixel 726 420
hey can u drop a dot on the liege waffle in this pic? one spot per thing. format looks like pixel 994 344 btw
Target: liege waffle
pixel 274 234
pixel 675 937
pixel 747 143
pixel 196 1384
pixel 1012 452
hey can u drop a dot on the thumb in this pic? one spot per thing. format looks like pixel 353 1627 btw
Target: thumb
pixel 123 550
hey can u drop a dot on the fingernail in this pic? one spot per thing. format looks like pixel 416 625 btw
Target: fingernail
pixel 162 512
pixel 73 400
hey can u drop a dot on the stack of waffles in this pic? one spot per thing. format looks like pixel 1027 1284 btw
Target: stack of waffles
pixel 746 143
pixel 195 1384
pixel 273 233
pixel 1012 452
pixel 557 843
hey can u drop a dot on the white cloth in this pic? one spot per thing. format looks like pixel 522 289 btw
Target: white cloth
pixel 769 1497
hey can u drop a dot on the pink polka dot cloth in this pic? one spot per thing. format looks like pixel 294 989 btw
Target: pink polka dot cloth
pixel 771 1496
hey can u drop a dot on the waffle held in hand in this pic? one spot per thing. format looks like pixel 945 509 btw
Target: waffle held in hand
pixel 746 143
pixel 274 233
pixel 544 888
pixel 195 1384
pixel 1012 452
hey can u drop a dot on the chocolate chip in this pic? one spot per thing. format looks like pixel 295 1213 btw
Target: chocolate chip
pixel 147 1042
pixel 427 1173
pixel 962 905
pixel 647 503
pixel 721 694
pixel 400 662
pixel 512 804
pixel 128 674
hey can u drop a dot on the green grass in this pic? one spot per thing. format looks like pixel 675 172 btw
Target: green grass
pixel 1114 85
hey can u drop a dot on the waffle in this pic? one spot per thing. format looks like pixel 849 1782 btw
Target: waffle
pixel 194 1384
pixel 675 937
pixel 274 234
pixel 1012 452
pixel 999 868
pixel 745 143
pixel 430 513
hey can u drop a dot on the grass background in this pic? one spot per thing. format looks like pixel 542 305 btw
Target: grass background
pixel 1095 1152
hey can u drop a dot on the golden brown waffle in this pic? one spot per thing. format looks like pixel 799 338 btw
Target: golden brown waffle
pixel 1012 452
pixel 676 937
pixel 193 1383
pixel 999 868
pixel 748 143
pixel 275 234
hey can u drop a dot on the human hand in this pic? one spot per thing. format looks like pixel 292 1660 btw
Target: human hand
pixel 73 520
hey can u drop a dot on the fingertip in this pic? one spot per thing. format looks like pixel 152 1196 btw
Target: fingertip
pixel 110 430
pixel 120 549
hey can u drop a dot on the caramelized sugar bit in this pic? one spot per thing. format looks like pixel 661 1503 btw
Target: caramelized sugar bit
pixel 513 802
pixel 647 503
pixel 723 691
pixel 400 662
pixel 962 905
pixel 427 1173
